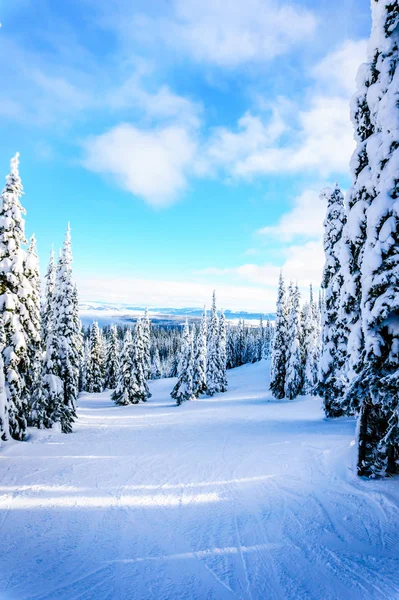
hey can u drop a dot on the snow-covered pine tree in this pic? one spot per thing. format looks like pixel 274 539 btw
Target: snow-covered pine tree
pixel 156 370
pixel 358 199
pixel 268 338
pixel 293 377
pixel 95 376
pixel 213 383
pixel 146 326
pixel 200 351
pixel 183 390
pixel 279 354
pixel 311 345
pixel 47 309
pixel 112 360
pixel 231 348
pixel 121 394
pixel 138 390
pixel 32 321
pixel 13 291
pixel 4 417
pixel 376 388
pixel 331 375
pixel 67 335
pixel 222 358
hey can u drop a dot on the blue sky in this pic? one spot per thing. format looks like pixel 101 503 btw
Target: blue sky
pixel 185 141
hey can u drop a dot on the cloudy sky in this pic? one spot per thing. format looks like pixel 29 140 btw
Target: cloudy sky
pixel 186 141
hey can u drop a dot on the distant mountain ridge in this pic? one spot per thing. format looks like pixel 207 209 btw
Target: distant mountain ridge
pixel 106 313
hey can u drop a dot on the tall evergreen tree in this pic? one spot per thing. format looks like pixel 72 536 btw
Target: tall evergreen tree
pixel 138 390
pixel 279 354
pixel 376 388
pixel 146 327
pixel 332 379
pixel 222 353
pixel 67 334
pixel 32 321
pixel 200 351
pixel 95 375
pixel 293 376
pixel 212 364
pixel 112 360
pixel 13 292
pixel 156 371
pixel 48 305
pixel 121 394
pixel 183 390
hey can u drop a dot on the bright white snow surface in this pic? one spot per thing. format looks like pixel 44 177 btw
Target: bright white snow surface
pixel 235 496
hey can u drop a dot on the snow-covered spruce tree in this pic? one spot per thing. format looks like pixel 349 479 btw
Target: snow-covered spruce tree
pixel 47 308
pixel 138 390
pixel 279 353
pixel 183 390
pixel 331 375
pixel 212 363
pixel 231 348
pixel 4 418
pixel 268 338
pixel 293 377
pixel 95 375
pixel 14 288
pixel 156 370
pixel 311 345
pixel 376 388
pixel 112 359
pixel 32 320
pixel 200 350
pixel 67 334
pixel 121 394
pixel 55 398
pixel 146 326
pixel 222 358
pixel 358 199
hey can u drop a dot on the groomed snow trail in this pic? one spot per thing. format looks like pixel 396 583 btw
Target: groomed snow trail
pixel 235 496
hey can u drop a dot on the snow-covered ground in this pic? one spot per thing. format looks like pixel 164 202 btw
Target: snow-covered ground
pixel 237 496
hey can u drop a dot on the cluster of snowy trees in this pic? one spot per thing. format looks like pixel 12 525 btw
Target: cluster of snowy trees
pixel 296 344
pixel 123 367
pixel 360 357
pixel 40 343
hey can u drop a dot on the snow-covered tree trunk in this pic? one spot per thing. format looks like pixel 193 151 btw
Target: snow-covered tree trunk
pixel 279 353
pixel 331 377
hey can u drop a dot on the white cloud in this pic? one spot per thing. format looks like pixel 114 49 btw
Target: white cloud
pixel 304 219
pixel 321 141
pixel 337 71
pixel 302 263
pixel 230 33
pixel 151 164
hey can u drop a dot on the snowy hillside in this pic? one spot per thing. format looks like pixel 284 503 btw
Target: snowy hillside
pixel 237 496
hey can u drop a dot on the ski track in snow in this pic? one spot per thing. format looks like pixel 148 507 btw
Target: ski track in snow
pixel 232 497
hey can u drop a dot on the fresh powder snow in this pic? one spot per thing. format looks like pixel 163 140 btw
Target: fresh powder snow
pixel 235 496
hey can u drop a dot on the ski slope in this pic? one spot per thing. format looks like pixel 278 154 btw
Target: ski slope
pixel 237 496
